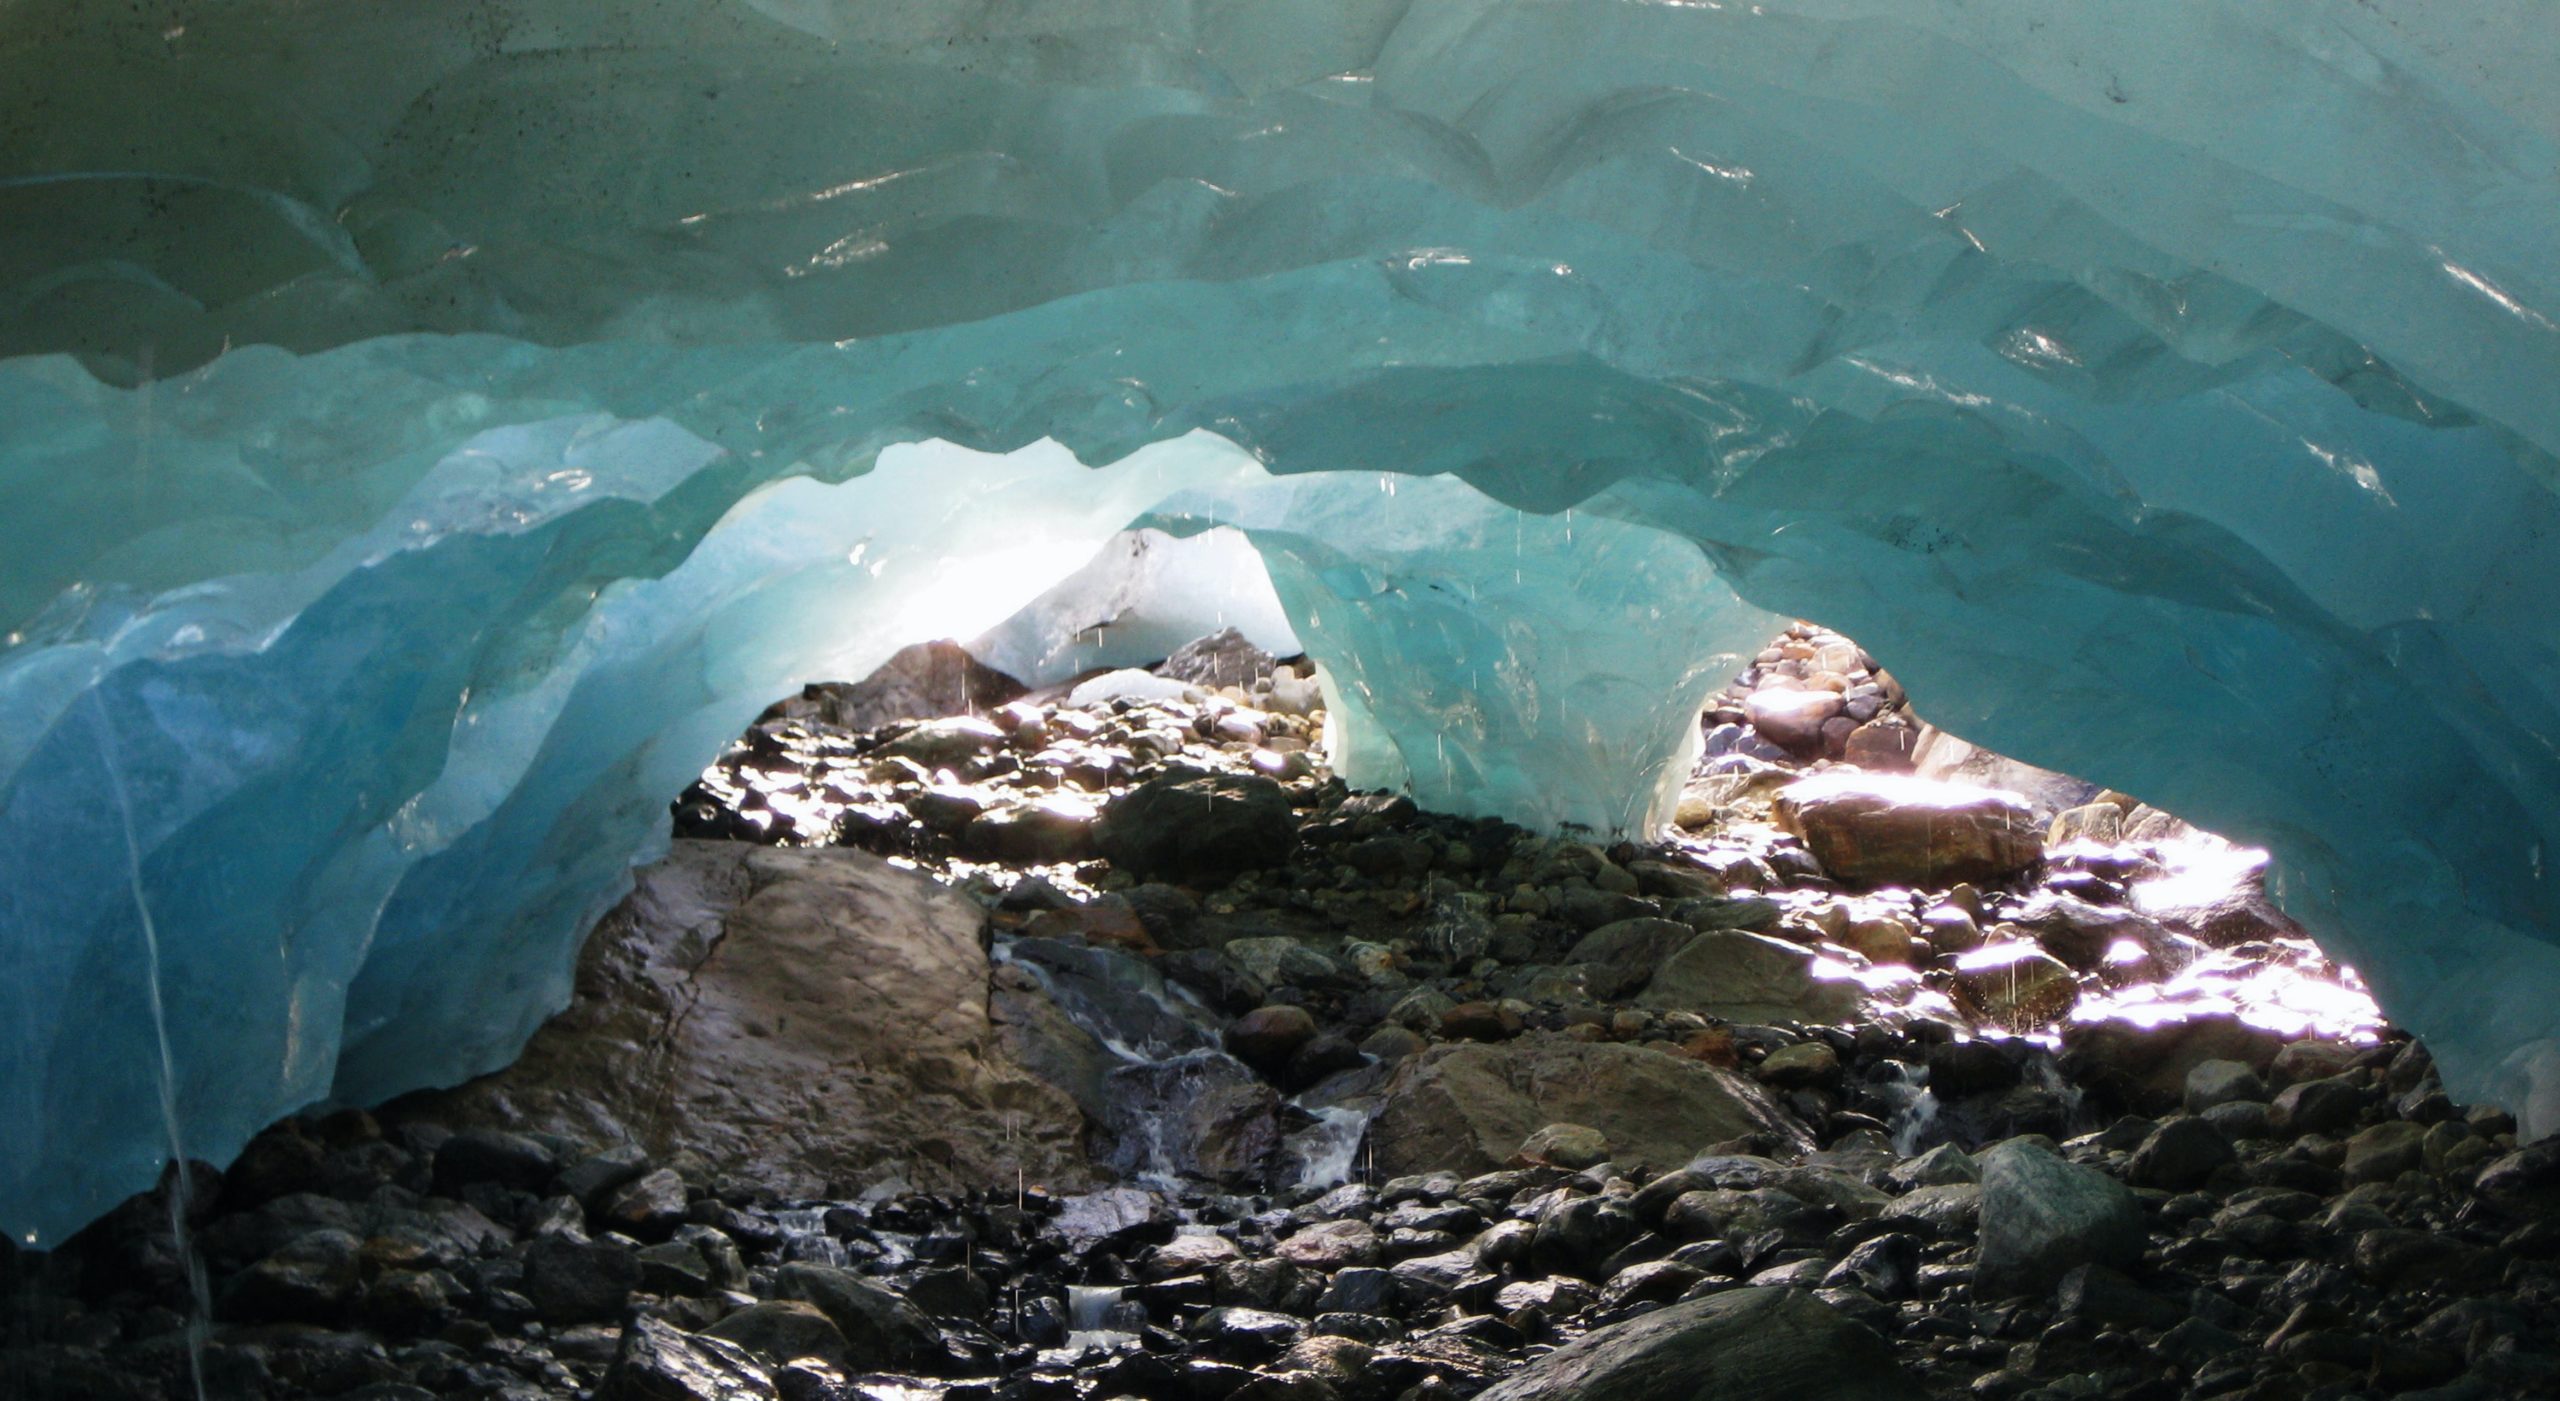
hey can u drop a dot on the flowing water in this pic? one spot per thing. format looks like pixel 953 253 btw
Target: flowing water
pixel 1324 1153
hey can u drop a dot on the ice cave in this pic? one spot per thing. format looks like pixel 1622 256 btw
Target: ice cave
pixel 432 434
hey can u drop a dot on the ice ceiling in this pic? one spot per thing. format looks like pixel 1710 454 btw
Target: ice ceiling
pixel 426 431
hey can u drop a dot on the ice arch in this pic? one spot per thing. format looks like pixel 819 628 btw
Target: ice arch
pixel 2164 391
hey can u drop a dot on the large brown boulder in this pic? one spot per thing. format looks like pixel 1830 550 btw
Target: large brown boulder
pixel 797 1018
pixel 1744 977
pixel 1467 1108
pixel 925 681
pixel 1884 829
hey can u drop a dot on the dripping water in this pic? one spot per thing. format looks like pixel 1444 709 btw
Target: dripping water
pixel 181 1181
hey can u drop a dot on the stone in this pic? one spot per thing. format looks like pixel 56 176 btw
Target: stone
pixel 1741 977
pixel 922 681
pixel 1572 1147
pixel 2041 1217
pixel 1803 1066
pixel 2179 1155
pixel 1791 719
pixel 2525 1182
pixel 881 1331
pixel 1043 831
pixel 1200 1115
pixel 1267 1036
pixel 659 1362
pixel 1331 1245
pixel 1468 1107
pixel 579 1281
pixel 1190 1253
pixel 650 1206
pixel 493 1156
pixel 1223 658
pixel 2215 1082
pixel 311 1279
pixel 2103 1296
pixel 1619 958
pixel 1197 827
pixel 2384 1151
pixel 2328 1106
pixel 947 742
pixel 1764 1344
pixel 2013 986
pixel 783 1330
pixel 845 1024
pixel 2145 1067
pixel 1876 829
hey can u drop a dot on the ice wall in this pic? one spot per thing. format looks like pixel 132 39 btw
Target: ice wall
pixel 2162 390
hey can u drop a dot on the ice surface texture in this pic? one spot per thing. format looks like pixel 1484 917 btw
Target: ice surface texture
pixel 2164 391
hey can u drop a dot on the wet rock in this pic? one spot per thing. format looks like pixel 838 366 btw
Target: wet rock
pixel 659 1362
pixel 1620 958
pixel 1246 1335
pixel 2099 1295
pixel 2384 1151
pixel 943 743
pixel 1572 1147
pixel 2180 1154
pixel 2145 1067
pixel 1221 659
pixel 1803 1066
pixel 1201 1115
pixel 1872 830
pixel 650 1206
pixel 488 1155
pixel 311 1279
pixel 2524 1182
pixel 579 1281
pixel 2041 1217
pixel 1739 977
pixel 2320 1106
pixel 2013 986
pixel 1267 1037
pixel 1792 719
pixel 1197 827
pixel 880 1329
pixel 2215 1082
pixel 1468 1107
pixel 1041 832
pixel 1766 1344
pixel 1332 1245
pixel 781 1330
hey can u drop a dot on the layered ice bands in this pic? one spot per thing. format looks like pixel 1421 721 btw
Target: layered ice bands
pixel 427 437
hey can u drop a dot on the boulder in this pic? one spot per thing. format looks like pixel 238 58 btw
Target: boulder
pixel 1884 829
pixel 1468 1107
pixel 1791 719
pixel 880 1329
pixel 659 1362
pixel 1223 658
pixel 1618 959
pixel 2013 986
pixel 2043 1217
pixel 1200 1115
pixel 1198 827
pixel 783 1330
pixel 842 1034
pixel 1943 758
pixel 946 742
pixel 1749 978
pixel 2145 1067
pixel 925 681
pixel 1765 1344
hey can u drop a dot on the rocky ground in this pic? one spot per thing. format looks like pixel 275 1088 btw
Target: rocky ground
pixel 1102 1044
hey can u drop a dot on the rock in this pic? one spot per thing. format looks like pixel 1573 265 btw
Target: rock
pixel 2145 1067
pixel 2099 1295
pixel 1763 1344
pixel 1791 719
pixel 2179 1155
pixel 2525 1182
pixel 1267 1036
pixel 1578 1236
pixel 1943 758
pixel 2042 1217
pixel 1875 829
pixel 1803 1066
pixel 650 1206
pixel 2386 1150
pixel 579 1281
pixel 493 1156
pixel 658 1362
pixel 1468 1107
pixel 843 1027
pixel 881 1330
pixel 1190 1253
pixel 1198 827
pixel 1042 832
pixel 783 1330
pixel 311 1279
pixel 945 743
pixel 1619 958
pixel 1332 1245
pixel 2215 1082
pixel 2013 986
pixel 1572 1147
pixel 923 681
pixel 1221 659
pixel 2320 1106
pixel 1739 977
pixel 1200 1115
pixel 1949 1210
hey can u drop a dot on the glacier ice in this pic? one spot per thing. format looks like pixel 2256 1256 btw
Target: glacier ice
pixel 425 440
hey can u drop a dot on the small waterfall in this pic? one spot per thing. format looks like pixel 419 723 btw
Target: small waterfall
pixel 2047 1074
pixel 1323 1153
pixel 1092 1312
pixel 1914 1109
pixel 805 1237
